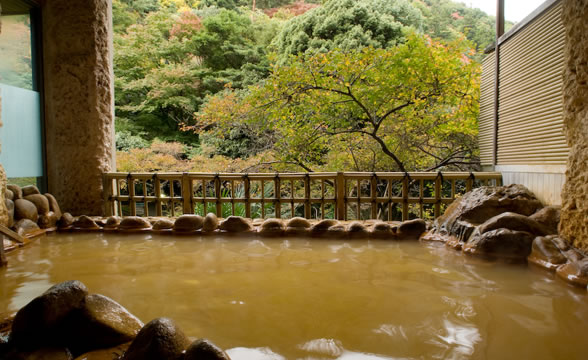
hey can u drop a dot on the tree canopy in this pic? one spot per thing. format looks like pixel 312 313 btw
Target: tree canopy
pixel 237 74
pixel 415 104
pixel 347 25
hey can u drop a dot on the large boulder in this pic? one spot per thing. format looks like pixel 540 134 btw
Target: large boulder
pixel 48 220
pixel 40 202
pixel 48 353
pixel 299 222
pixel 10 207
pixel 112 222
pixel 83 222
pixel 518 222
pixel 24 209
pixel 25 226
pixel 357 230
pixel 66 220
pixel 477 206
pixel 16 191
pixel 210 223
pixel 236 224
pixel 203 349
pixel 272 227
pixel 163 224
pixel 36 325
pixel 549 217
pixel 382 230
pixel 54 205
pixel 576 272
pixel 297 226
pixel 188 223
pixel 501 243
pixel 546 253
pixel 335 232
pixel 412 229
pixel 9 194
pixel 99 323
pixel 160 339
pixel 29 190
pixel 134 223
pixel 323 226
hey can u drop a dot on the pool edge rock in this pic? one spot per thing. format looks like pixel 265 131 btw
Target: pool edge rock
pixel 159 339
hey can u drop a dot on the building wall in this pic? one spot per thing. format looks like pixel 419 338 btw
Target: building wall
pixel 486 117
pixel 527 144
pixel 79 104
pixel 546 181
pixel 574 217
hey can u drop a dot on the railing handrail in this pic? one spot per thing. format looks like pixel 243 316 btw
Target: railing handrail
pixel 341 198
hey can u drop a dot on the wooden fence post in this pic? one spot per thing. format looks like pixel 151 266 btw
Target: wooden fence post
pixel 405 198
pixel 187 194
pixel 247 188
pixel 374 195
pixel 438 187
pixel 307 212
pixel 107 193
pixel 277 197
pixel 340 196
pixel 157 185
pixel 217 194
pixel 131 186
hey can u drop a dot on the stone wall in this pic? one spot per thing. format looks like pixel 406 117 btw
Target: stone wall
pixel 574 216
pixel 79 110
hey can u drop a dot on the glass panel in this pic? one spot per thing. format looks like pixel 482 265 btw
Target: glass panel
pixel 15 46
pixel 20 135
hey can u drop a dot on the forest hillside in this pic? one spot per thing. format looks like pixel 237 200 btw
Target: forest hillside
pixel 281 85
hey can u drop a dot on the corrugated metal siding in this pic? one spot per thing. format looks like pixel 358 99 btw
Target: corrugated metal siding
pixel 486 116
pixel 530 125
pixel 546 186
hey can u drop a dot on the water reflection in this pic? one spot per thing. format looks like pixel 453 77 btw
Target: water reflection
pixel 298 299
pixel 457 341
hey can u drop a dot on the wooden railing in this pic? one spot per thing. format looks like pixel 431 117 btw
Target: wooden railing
pixel 344 195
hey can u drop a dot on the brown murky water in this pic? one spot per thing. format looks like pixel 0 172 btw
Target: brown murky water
pixel 300 299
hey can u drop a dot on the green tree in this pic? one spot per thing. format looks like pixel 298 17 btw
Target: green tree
pixel 159 88
pixel 415 103
pixel 347 25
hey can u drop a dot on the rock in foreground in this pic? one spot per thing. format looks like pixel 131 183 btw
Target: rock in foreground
pixel 203 349
pixel 37 324
pixel 99 323
pixel 236 224
pixel 501 243
pixel 479 205
pixel 160 339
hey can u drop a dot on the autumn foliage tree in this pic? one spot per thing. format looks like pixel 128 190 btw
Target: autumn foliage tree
pixel 410 107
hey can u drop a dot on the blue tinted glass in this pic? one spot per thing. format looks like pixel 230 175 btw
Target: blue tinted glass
pixel 20 135
pixel 15 47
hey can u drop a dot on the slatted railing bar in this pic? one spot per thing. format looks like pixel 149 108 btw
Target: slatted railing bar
pixel 405 186
pixel 247 195
pixel 452 188
pixel 322 203
pixel 438 186
pixel 349 189
pixel 131 187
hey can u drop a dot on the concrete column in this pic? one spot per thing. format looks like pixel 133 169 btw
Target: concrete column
pixel 79 102
pixel 574 217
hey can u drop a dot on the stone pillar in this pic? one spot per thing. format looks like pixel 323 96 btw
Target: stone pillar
pixel 574 217
pixel 3 210
pixel 79 102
